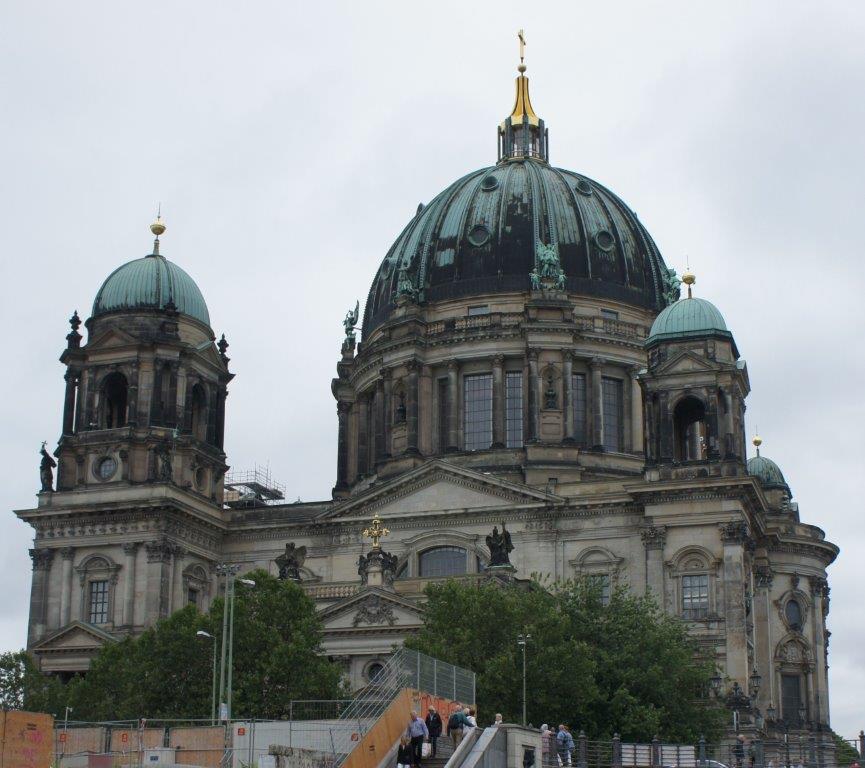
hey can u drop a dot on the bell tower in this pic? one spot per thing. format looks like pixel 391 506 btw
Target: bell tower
pixel 694 391
pixel 145 396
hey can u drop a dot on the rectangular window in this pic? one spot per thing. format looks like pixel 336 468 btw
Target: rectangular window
pixel 578 383
pixel 192 597
pixel 478 405
pixel 98 602
pixel 443 414
pixel 609 314
pixel 514 409
pixel 613 413
pixel 602 583
pixel 695 596
pixel 479 309
pixel 791 699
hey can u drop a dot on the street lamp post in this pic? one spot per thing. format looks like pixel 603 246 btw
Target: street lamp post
pixel 522 640
pixel 202 633
pixel 230 573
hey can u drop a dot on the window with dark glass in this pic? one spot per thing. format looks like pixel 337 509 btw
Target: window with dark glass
pixel 514 409
pixel 478 405
pixel 609 314
pixel 791 699
pixel 98 602
pixel 793 614
pixel 613 413
pixel 695 596
pixel 580 427
pixel 192 597
pixel 479 309
pixel 443 414
pixel 114 401
pixel 601 583
pixel 442 561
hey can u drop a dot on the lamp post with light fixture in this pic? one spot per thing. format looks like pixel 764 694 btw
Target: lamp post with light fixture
pixel 225 686
pixel 522 640
pixel 202 633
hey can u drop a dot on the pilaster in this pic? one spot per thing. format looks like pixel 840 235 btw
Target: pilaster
pixel 67 554
pixel 498 401
pixel 734 535
pixel 130 550
pixel 42 559
pixel 654 539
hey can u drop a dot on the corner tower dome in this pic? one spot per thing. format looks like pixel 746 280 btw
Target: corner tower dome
pixel 768 472
pixel 152 282
pixel 485 233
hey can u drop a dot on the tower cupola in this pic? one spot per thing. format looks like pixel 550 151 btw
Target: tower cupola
pixel 523 134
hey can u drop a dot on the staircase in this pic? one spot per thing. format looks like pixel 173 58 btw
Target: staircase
pixel 444 750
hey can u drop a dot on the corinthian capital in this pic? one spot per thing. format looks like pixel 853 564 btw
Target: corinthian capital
pixel 654 536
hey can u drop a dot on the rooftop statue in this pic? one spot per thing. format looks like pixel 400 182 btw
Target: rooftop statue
pixel 500 546
pixel 671 286
pixel 290 561
pixel 548 273
pixel 350 321
pixel 46 467
pixel 404 286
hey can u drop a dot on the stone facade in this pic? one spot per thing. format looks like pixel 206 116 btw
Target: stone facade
pixel 605 453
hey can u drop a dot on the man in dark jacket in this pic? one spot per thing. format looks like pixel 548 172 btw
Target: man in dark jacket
pixel 434 726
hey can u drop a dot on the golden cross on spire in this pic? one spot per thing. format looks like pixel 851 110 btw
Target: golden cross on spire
pixel 522 38
pixel 376 532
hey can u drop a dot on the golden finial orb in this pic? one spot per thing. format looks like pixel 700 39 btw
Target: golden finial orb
pixel 689 278
pixel 157 227
pixel 758 441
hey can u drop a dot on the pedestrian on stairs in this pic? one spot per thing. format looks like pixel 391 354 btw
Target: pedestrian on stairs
pixel 417 733
pixel 456 722
pixel 403 754
pixel 434 726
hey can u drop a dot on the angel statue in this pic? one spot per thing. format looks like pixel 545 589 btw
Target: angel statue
pixel 500 546
pixel 671 287
pixel 46 467
pixel 350 322
pixel 290 561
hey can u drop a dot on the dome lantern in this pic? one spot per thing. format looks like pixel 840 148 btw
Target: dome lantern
pixel 523 134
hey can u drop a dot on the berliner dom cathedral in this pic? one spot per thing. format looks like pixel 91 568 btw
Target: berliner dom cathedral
pixel 527 388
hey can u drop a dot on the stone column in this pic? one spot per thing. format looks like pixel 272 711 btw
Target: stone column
pixel 178 600
pixel 42 559
pixel 412 398
pixel 453 405
pixel 819 709
pixel 378 413
pixel 636 411
pixel 67 553
pixel 388 410
pixel 132 396
pixel 762 606
pixel 534 397
pixel 728 447
pixel 158 576
pixel 654 538
pixel 596 366
pixel 342 408
pixel 130 548
pixel 499 402
pixel 425 411
pixel 568 389
pixel 71 378
pixel 734 534
pixel 362 436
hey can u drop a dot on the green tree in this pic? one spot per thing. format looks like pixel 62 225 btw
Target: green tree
pixel 622 667
pixel 167 671
pixel 23 686
pixel 845 752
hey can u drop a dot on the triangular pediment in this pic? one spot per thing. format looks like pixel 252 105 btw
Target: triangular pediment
pixel 77 636
pixel 686 362
pixel 438 486
pixel 112 337
pixel 371 607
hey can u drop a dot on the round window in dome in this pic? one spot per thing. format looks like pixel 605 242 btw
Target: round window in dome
pixel 106 467
pixel 489 183
pixel 479 235
pixel 584 188
pixel 605 240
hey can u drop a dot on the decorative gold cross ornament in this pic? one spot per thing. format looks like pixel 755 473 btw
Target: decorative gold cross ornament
pixel 376 532
pixel 522 37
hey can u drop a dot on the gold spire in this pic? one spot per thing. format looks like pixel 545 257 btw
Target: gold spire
pixel 688 278
pixel 157 228
pixel 758 441
pixel 522 102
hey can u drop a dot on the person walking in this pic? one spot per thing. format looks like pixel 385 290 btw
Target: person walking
pixel 434 726
pixel 547 748
pixel 417 732
pixel 470 716
pixel 456 722
pixel 564 745
pixel 403 754
pixel 739 750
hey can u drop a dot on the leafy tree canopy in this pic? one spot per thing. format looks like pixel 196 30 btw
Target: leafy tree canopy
pixel 624 667
pixel 167 671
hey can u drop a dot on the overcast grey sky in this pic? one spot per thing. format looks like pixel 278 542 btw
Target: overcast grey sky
pixel 290 143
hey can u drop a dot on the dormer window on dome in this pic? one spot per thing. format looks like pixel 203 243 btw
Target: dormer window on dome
pixel 523 133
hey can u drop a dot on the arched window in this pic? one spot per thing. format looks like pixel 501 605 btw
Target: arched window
pixel 442 561
pixel 113 401
pixel 199 413
pixel 689 429
pixel 793 615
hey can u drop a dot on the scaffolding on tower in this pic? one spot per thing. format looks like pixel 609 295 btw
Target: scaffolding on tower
pixel 252 488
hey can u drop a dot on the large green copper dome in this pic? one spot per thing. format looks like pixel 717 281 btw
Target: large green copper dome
pixel 151 283
pixel 687 318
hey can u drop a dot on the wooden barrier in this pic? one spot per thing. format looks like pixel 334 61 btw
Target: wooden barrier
pixel 79 741
pixel 202 745
pixel 26 739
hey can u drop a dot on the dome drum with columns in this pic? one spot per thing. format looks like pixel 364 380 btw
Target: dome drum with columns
pixel 527 366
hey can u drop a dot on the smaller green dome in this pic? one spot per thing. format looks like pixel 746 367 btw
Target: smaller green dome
pixel 689 317
pixel 152 282
pixel 768 471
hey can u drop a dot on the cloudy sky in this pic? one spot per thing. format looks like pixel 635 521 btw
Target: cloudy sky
pixel 290 142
